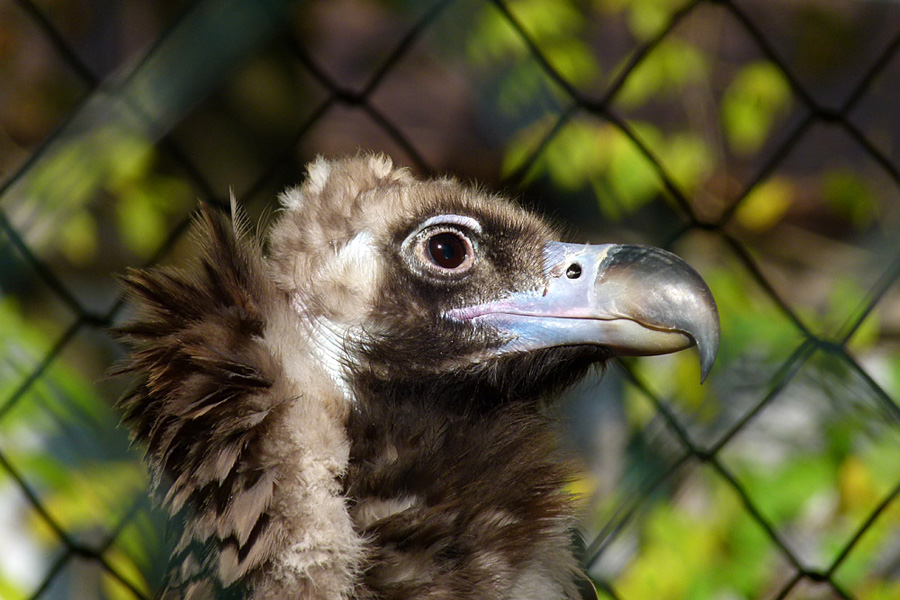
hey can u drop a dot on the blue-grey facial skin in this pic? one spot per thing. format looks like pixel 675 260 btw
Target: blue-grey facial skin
pixel 635 300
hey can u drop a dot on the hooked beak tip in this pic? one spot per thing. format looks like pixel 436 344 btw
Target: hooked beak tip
pixel 707 358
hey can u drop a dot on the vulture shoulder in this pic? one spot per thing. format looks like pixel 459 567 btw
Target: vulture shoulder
pixel 249 447
pixel 355 412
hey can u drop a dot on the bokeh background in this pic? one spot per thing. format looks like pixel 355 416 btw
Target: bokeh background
pixel 758 139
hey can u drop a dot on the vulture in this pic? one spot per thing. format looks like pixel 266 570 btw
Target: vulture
pixel 355 407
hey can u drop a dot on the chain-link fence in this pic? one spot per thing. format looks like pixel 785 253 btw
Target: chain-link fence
pixel 757 139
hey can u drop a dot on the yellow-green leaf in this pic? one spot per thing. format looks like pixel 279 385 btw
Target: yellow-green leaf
pixel 766 204
pixel 757 96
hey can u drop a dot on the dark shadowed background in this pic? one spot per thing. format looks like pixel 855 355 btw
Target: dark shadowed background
pixel 758 139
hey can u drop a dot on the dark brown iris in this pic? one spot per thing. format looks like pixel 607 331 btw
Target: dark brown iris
pixel 447 250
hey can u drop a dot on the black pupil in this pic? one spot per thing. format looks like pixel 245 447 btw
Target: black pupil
pixel 447 250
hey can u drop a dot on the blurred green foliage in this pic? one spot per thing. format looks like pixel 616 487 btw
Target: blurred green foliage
pixel 753 102
pixel 109 165
pixel 63 434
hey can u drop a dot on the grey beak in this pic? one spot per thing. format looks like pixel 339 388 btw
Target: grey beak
pixel 635 300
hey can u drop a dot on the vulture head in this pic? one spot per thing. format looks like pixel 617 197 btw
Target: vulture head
pixel 354 409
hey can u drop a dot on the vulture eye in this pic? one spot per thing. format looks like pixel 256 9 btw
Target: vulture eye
pixel 443 246
pixel 447 250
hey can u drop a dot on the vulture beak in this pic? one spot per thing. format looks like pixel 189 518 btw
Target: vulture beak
pixel 635 300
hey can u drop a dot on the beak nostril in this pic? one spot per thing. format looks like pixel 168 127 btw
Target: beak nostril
pixel 574 271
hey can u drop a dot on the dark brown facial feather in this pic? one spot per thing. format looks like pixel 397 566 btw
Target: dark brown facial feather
pixel 323 430
pixel 408 364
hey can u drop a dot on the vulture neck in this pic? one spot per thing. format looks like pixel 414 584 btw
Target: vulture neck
pixel 459 486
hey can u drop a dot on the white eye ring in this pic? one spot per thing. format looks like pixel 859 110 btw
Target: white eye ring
pixel 461 220
pixel 439 241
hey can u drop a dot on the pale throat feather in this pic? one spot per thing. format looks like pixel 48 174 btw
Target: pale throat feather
pixel 352 273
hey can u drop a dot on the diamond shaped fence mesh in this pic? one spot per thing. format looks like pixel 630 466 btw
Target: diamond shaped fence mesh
pixel 758 139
